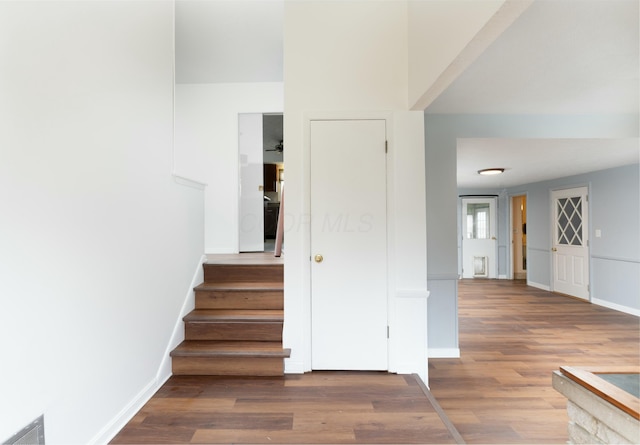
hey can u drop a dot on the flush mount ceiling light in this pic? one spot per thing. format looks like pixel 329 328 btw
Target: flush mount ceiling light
pixel 490 171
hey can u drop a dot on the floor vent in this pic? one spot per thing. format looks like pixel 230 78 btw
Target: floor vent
pixel 32 434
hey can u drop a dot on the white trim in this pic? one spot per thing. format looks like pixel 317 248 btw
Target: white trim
pixel 189 182
pixel 502 277
pixel 617 307
pixel 538 286
pixel 386 118
pixel 612 258
pixel 164 370
pixel 293 367
pixel 114 426
pixel 307 118
pixel 177 336
pixel 444 352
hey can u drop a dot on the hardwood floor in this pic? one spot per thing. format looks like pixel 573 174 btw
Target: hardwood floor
pixel 319 407
pixel 512 337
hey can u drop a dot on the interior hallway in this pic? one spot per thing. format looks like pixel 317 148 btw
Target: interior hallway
pixel 512 337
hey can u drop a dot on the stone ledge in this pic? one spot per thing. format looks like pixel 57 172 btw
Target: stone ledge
pixel 607 419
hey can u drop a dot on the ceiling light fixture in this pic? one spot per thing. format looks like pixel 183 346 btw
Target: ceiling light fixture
pixel 490 171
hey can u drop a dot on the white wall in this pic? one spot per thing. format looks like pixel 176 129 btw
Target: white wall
pixel 98 244
pixel 207 148
pixel 356 68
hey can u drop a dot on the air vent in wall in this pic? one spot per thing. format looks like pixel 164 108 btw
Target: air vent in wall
pixel 32 434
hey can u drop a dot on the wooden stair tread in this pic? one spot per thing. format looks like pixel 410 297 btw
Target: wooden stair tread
pixel 236 326
pixel 231 315
pixel 212 348
pixel 240 286
pixel 251 273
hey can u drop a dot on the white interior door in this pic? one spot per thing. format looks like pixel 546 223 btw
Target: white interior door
pixel 251 217
pixel 479 238
pixel 348 245
pixel 570 252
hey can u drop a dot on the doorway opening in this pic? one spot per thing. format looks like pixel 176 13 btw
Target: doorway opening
pixel 273 174
pixel 519 237
pixel 261 167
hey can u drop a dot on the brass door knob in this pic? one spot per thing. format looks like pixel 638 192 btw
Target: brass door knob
pixel 553 249
pixel 319 258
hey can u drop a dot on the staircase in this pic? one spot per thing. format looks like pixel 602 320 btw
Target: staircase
pixel 236 326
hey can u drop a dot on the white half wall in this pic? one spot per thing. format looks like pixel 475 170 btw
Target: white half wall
pixel 207 148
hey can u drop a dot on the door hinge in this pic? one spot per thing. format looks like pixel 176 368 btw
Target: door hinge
pixel 386 146
pixel 387 331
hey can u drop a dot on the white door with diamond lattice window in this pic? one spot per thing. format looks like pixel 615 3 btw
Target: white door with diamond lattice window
pixel 570 250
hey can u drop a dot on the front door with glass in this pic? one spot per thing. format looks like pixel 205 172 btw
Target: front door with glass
pixel 479 238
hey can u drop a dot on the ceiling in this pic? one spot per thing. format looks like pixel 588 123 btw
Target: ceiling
pixel 559 57
pixel 551 159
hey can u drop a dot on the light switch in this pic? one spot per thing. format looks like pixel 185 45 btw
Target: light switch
pixel 598 233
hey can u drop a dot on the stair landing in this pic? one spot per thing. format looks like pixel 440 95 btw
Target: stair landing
pixel 245 258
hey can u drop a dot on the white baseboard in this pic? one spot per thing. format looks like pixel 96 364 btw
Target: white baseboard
pixel 418 369
pixel 164 370
pixel 617 307
pixel 177 336
pixel 293 367
pixel 502 277
pixel 126 414
pixel 444 352
pixel 538 286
